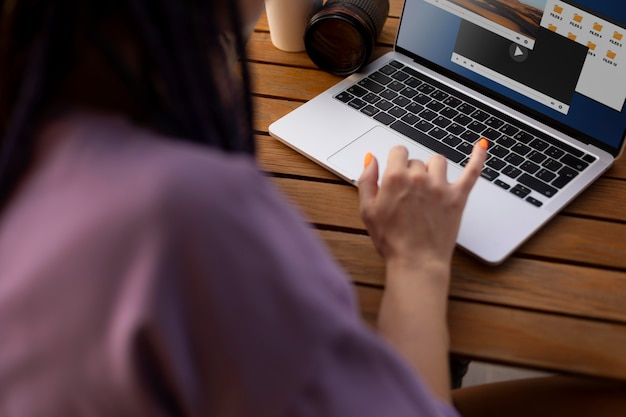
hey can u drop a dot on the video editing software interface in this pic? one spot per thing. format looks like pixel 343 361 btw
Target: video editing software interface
pixel 563 59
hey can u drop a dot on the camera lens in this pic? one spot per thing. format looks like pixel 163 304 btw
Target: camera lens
pixel 341 36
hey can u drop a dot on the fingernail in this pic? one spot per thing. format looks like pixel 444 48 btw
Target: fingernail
pixel 368 159
pixel 483 143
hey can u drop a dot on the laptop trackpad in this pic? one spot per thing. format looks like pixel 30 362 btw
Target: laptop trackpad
pixel 379 141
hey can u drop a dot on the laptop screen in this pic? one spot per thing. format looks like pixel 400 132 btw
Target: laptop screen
pixel 560 61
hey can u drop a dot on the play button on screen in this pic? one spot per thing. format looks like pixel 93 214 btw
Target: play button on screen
pixel 518 53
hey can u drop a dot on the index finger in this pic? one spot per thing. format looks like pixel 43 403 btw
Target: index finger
pixel 474 167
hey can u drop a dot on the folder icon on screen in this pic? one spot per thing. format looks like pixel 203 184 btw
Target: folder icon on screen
pixel 597 27
pixel 571 36
pixel 618 36
pixel 611 55
pixel 552 27
pixel 578 18
pixel 592 46
pixel 558 9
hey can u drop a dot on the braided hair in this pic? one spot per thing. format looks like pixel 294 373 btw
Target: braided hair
pixel 179 85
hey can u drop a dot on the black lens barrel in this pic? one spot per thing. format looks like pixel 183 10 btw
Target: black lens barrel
pixel 340 37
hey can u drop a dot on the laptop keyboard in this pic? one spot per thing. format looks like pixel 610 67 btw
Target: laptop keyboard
pixel 520 161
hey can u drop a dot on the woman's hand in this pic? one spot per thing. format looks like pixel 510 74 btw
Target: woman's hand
pixel 414 216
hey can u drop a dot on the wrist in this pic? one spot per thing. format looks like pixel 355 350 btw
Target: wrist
pixel 424 275
pixel 424 267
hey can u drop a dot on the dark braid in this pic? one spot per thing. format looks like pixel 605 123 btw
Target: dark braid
pixel 179 88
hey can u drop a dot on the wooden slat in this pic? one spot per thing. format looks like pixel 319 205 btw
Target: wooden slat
pixel 335 205
pixel 522 283
pixel 276 158
pixel 261 50
pixel 542 286
pixel 600 197
pixel 618 170
pixel 278 80
pixel 268 110
pixel 584 241
pixel 526 338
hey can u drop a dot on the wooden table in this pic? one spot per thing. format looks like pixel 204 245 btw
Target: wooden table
pixel 558 304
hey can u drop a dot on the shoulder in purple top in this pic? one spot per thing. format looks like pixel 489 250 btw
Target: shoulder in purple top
pixel 143 276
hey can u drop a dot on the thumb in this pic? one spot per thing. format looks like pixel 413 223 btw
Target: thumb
pixel 368 182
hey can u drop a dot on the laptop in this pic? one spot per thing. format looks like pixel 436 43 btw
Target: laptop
pixel 543 80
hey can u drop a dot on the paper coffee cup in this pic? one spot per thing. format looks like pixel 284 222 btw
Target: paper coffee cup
pixel 287 20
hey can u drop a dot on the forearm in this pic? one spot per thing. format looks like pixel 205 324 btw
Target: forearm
pixel 413 318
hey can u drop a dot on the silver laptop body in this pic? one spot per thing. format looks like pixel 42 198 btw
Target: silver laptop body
pixel 448 46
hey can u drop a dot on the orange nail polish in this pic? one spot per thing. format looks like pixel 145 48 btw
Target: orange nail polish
pixel 368 159
pixel 483 143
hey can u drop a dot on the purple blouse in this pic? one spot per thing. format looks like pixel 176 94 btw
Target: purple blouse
pixel 141 276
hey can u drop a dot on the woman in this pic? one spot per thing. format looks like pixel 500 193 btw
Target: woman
pixel 148 268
